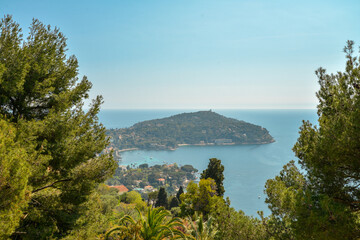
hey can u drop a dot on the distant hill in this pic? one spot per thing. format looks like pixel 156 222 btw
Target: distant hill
pixel 198 128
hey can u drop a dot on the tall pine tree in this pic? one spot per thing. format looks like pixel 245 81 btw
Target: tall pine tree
pixel 323 203
pixel 42 96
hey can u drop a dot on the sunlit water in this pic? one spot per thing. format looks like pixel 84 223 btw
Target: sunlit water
pixel 247 167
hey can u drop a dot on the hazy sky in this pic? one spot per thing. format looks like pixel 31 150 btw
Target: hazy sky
pixel 200 54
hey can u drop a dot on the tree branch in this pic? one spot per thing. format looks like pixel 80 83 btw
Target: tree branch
pixel 50 185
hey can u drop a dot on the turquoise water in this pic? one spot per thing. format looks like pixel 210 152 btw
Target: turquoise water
pixel 247 167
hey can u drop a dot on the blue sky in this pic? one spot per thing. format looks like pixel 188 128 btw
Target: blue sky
pixel 200 54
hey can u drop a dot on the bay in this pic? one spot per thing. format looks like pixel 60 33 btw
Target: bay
pixel 247 167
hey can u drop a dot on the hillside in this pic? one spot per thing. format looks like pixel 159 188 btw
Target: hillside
pixel 198 128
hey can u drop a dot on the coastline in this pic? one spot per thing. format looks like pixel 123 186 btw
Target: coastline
pixel 198 144
pixel 128 149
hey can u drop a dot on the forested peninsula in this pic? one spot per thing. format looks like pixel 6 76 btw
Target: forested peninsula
pixel 197 128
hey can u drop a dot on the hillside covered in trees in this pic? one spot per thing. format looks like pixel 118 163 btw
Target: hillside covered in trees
pixel 197 128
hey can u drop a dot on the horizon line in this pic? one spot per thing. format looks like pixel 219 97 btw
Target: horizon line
pixel 204 109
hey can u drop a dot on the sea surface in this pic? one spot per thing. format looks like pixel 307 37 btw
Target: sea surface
pixel 247 167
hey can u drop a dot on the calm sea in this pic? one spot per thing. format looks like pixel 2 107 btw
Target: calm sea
pixel 247 167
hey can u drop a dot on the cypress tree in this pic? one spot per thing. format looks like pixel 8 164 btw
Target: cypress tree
pixel 162 198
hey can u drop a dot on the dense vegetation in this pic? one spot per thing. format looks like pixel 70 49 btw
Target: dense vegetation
pixel 200 128
pixel 323 203
pixel 50 160
pixel 53 167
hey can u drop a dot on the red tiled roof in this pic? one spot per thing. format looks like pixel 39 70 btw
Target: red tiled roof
pixel 161 179
pixel 120 188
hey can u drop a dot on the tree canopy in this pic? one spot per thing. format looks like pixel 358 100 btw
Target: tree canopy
pixel 59 162
pixel 156 225
pixel 330 153
pixel 215 170
pixel 14 172
pixel 199 197
pixel 323 203
pixel 203 127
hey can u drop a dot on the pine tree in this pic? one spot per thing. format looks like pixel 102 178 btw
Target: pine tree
pixel 330 153
pixel 215 170
pixel 41 94
pixel 14 174
pixel 324 202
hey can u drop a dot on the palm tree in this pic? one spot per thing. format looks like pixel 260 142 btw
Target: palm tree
pixel 154 227
pixel 203 230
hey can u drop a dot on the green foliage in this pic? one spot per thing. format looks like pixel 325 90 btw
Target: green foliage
pixel 96 216
pixel 154 226
pixel 42 96
pixel 202 199
pixel 204 127
pixel 215 170
pixel 300 213
pixel 133 197
pixel 14 173
pixel 161 200
pixel 284 194
pixel 320 217
pixel 130 197
pixel 232 224
pixel 145 165
pixel 199 198
pixel 109 198
pixel 323 204
pixel 152 196
pixel 188 168
pixel 284 189
pixel 174 202
pixel 37 76
pixel 203 230
pixel 330 153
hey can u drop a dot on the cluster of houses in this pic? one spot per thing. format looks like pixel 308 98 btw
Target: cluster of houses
pixel 145 187
pixel 122 189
